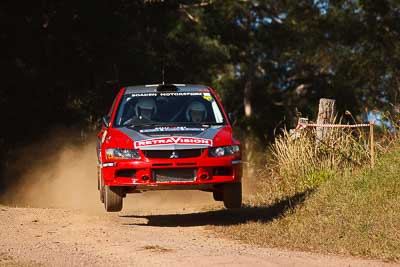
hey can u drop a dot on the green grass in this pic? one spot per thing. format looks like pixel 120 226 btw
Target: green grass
pixel 347 214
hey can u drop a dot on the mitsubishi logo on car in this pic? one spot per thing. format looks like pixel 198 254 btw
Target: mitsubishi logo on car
pixel 174 155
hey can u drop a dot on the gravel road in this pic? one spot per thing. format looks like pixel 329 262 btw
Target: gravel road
pixel 171 233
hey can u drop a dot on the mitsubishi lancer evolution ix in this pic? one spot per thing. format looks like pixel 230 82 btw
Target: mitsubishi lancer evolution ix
pixel 168 137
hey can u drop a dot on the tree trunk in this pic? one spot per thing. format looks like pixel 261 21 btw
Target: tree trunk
pixel 248 143
pixel 326 115
pixel 248 92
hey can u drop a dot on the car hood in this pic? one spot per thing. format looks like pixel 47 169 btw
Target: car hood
pixel 171 138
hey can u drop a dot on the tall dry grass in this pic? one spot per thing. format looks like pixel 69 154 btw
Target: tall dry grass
pixel 302 162
pixel 299 162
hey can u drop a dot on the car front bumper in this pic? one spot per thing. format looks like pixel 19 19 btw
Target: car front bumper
pixel 146 174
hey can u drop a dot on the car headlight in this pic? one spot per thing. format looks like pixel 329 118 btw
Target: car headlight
pixel 122 153
pixel 223 151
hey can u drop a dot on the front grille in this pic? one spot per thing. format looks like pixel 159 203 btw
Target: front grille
pixel 222 171
pixel 171 154
pixel 161 164
pixel 186 164
pixel 174 175
pixel 126 173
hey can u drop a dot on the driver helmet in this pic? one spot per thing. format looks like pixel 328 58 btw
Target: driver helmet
pixel 196 112
pixel 145 108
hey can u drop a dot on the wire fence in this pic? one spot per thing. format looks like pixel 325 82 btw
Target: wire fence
pixel 303 124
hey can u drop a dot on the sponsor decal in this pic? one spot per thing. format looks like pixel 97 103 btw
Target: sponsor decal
pixel 103 137
pixel 167 94
pixel 173 141
pixel 207 96
pixel 170 129
pixel 143 94
pixel 180 93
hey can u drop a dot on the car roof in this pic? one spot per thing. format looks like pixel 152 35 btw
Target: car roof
pixel 150 88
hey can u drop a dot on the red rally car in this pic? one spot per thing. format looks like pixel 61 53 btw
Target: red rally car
pixel 168 137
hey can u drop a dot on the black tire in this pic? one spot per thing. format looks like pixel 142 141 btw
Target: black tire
pixel 101 190
pixel 218 196
pixel 113 198
pixel 232 195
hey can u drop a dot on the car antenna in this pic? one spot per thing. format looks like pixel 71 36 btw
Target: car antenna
pixel 163 73
pixel 116 73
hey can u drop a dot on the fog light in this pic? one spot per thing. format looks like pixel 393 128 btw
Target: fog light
pixel 145 177
pixel 204 176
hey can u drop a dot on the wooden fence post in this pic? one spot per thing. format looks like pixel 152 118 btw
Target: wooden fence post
pixel 326 115
pixel 372 145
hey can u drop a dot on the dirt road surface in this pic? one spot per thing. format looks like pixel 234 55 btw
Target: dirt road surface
pixel 53 217
pixel 170 235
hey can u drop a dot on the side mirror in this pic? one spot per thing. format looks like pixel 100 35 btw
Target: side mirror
pixel 106 121
pixel 231 117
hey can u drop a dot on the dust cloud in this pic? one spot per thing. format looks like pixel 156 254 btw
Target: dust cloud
pixel 59 172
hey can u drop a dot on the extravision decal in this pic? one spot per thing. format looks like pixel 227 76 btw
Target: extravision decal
pixel 173 141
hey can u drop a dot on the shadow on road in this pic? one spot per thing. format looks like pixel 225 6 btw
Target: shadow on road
pixel 223 217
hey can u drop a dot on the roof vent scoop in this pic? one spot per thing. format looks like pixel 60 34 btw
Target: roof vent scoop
pixel 167 87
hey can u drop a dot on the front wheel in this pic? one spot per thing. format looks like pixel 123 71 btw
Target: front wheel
pixel 232 195
pixel 218 196
pixel 101 191
pixel 113 197
pixel 100 186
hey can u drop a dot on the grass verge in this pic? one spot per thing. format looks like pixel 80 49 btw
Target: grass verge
pixel 348 214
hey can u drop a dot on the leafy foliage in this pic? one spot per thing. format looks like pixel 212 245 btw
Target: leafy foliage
pixel 277 58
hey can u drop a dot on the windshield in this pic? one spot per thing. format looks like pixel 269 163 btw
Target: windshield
pixel 183 108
